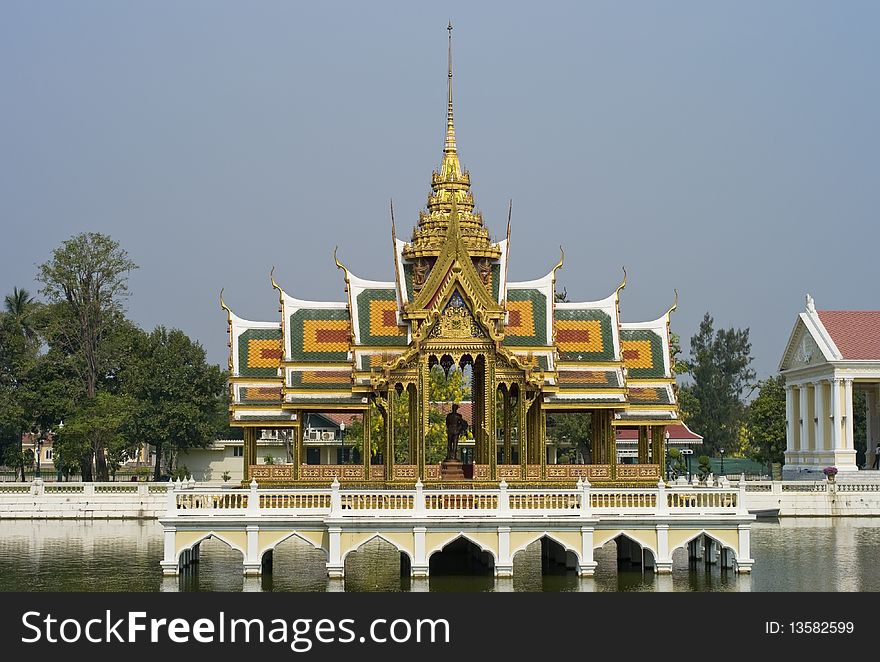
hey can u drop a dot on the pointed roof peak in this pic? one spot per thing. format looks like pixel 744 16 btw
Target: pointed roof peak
pixel 449 147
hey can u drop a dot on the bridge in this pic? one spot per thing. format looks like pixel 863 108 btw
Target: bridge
pixel 649 523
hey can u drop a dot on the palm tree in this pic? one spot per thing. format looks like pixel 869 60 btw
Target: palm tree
pixel 20 307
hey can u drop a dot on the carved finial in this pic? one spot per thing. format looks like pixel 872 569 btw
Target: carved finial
pixel 674 303
pixel 811 305
pixel 272 279
pixel 622 283
pixel 224 306
pixel 560 263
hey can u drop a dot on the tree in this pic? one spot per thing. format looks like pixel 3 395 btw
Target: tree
pixel 19 351
pixel 88 277
pixel 573 428
pixel 766 422
pixel 719 364
pixel 97 427
pixel 21 308
pixel 176 396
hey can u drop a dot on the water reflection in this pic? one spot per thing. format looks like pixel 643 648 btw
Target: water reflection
pixel 791 555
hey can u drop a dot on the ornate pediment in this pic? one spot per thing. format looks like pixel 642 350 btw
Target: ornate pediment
pixel 806 351
pixel 456 321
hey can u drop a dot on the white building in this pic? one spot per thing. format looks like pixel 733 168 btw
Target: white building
pixel 830 354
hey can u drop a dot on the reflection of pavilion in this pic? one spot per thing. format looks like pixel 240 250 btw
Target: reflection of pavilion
pixel 831 355
pixel 451 305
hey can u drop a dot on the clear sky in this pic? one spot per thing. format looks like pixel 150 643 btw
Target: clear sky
pixel 729 149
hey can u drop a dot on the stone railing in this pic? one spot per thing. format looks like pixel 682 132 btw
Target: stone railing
pixel 501 502
pixel 39 488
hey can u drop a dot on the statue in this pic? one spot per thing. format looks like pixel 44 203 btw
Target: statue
pixel 455 427
pixel 484 267
pixel 420 272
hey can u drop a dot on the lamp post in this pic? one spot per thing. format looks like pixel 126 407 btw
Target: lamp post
pixel 342 432
pixel 39 450
pixel 721 450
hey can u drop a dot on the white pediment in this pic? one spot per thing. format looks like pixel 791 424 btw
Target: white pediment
pixel 809 344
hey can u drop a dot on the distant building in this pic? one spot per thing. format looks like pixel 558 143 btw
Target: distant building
pixel 830 355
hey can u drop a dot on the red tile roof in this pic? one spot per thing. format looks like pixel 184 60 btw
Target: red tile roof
pixel 855 332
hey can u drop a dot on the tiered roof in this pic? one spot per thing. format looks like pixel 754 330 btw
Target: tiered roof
pixel 324 355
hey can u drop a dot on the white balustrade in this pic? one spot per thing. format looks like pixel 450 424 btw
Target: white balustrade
pixel 585 502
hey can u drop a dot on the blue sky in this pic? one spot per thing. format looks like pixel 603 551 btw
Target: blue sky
pixel 729 150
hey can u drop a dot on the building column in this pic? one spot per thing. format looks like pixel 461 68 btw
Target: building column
pixel 504 566
pixel 508 452
pixel 388 446
pixel 413 416
pixel 790 423
pixel 658 453
pixel 820 414
pixel 419 567
pixel 367 446
pixel 663 562
pixel 521 430
pixel 872 429
pixel 588 564
pixel 610 441
pixel 804 418
pixel 252 565
pixel 490 402
pixel 335 567
pixel 848 398
pixel 542 436
pixel 643 445
pixel 250 452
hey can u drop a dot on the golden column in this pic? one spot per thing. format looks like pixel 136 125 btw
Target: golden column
pixel 489 406
pixel 610 441
pixel 388 447
pixel 296 431
pixel 643 445
pixel 508 452
pixel 413 417
pixel 250 452
pixel 658 452
pixel 367 448
pixel 522 422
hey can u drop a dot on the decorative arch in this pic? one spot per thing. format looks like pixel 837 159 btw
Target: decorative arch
pixel 295 534
pixel 207 536
pixel 400 548
pixel 520 546
pixel 461 535
pixel 603 539
pixel 734 549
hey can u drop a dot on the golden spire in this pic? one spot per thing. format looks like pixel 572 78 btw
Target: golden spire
pixel 449 147
pixel 449 182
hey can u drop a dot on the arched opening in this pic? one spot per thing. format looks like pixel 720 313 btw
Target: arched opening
pixel 461 557
pixel 294 564
pixel 544 565
pixel 705 564
pixel 377 565
pixel 211 564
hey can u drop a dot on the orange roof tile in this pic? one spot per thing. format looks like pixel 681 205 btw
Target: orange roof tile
pixel 855 332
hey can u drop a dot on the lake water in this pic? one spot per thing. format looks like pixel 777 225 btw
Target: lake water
pixel 801 554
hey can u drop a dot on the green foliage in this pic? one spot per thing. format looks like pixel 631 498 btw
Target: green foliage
pixel 268 460
pixel 225 476
pixel 766 422
pixel 572 428
pixel 87 281
pixel 719 365
pixel 704 467
pixel 97 427
pixel 676 463
pixel 177 397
